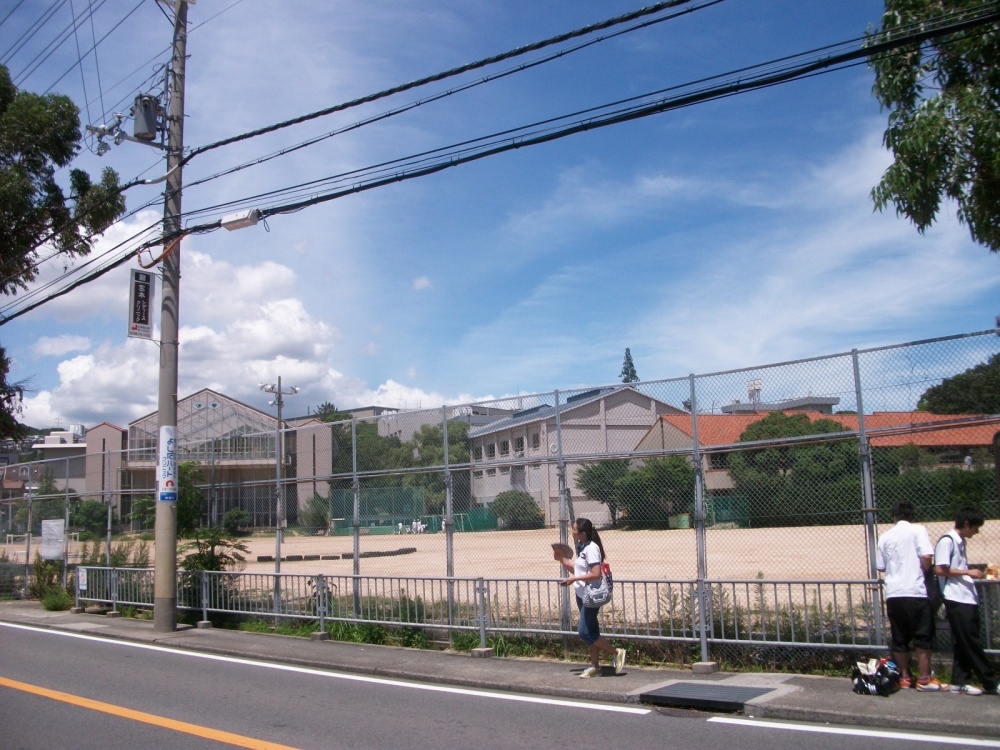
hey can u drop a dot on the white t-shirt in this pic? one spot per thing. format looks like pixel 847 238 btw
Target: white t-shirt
pixel 950 551
pixel 898 555
pixel 589 555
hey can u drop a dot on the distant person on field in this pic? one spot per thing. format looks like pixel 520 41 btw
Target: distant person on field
pixel 904 555
pixel 961 603
pixel 585 568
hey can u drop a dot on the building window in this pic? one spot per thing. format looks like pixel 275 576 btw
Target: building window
pixel 491 450
pixel 504 447
pixel 505 470
pixel 536 441
pixel 477 453
pixel 519 446
pixel 478 473
pixel 718 460
pixel 491 472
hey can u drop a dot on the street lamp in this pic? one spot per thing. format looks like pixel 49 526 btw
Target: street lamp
pixel 279 456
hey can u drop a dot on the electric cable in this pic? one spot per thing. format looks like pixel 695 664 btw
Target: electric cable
pixel 48 50
pixel 876 44
pixel 444 94
pixel 33 29
pixel 826 64
pixel 443 75
pixel 522 50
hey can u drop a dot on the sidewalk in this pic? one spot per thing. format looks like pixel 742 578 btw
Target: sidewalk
pixel 763 695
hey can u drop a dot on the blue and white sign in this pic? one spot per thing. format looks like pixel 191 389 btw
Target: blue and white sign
pixel 166 465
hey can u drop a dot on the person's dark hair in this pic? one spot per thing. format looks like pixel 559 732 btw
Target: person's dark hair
pixel 902 510
pixel 969 515
pixel 585 527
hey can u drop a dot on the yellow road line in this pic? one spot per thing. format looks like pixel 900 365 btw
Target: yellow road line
pixel 159 721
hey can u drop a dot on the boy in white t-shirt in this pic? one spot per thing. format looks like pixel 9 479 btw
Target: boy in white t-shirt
pixel 904 555
pixel 961 603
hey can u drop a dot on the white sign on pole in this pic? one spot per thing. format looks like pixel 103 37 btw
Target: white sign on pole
pixel 81 579
pixel 140 305
pixel 53 539
pixel 166 469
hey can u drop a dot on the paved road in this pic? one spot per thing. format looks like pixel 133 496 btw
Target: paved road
pixel 321 701
pixel 116 694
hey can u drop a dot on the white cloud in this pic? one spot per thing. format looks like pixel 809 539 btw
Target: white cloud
pixel 56 346
pixel 420 283
pixel 585 200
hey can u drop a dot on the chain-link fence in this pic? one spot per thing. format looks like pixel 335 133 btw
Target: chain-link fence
pixel 759 491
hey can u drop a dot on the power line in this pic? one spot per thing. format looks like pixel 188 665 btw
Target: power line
pixel 609 23
pixel 445 74
pixel 94 47
pixel 465 152
pixel 33 29
pixel 503 142
pixel 444 94
pixel 49 49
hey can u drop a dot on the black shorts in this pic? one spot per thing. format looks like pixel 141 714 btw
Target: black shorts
pixel 912 621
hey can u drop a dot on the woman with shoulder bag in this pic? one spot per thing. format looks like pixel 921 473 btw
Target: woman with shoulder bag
pixel 586 569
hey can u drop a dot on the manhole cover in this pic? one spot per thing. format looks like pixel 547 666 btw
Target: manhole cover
pixel 709 696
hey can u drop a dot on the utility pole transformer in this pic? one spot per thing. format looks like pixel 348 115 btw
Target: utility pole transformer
pixel 165 570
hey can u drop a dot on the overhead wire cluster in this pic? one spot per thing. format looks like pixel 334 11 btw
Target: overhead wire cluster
pixel 302 195
pixel 23 304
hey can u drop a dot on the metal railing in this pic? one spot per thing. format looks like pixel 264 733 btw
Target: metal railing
pixel 813 614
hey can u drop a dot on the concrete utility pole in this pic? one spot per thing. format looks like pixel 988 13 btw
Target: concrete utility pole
pixel 165 571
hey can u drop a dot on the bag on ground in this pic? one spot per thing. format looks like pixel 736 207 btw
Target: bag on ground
pixel 875 677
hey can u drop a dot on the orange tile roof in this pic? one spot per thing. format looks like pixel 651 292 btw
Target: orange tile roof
pixel 896 428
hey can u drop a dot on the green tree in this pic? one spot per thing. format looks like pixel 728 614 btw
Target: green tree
pixel 426 448
pixel 144 512
pixel 599 482
pixel 39 137
pixel 518 510
pixel 236 519
pixel 11 402
pixel 656 490
pixel 944 121
pixel 48 502
pixel 327 412
pixel 975 391
pixel 795 483
pixel 212 549
pixel 190 498
pixel 628 374
pixel 90 516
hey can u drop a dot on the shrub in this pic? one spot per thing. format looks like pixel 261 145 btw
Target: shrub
pixel 234 520
pixel 57 599
pixel 518 510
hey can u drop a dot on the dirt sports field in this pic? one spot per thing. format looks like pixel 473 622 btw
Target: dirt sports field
pixel 813 553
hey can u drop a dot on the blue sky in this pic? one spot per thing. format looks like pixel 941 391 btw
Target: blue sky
pixel 719 236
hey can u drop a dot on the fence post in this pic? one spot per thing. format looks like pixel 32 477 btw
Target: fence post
pixel 65 570
pixel 204 595
pixel 699 524
pixel 868 490
pixel 481 606
pixel 449 521
pixel 356 491
pixel 566 516
pixel 114 589
pixel 321 602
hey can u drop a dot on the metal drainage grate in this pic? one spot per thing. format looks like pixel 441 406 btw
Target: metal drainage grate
pixel 708 696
